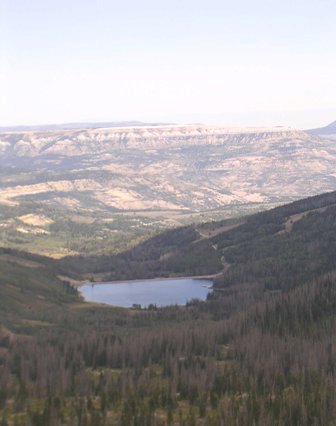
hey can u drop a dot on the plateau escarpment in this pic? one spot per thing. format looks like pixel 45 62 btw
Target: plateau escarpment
pixel 100 141
pixel 153 176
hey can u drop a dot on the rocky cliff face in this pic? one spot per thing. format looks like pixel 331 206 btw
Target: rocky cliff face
pixel 97 141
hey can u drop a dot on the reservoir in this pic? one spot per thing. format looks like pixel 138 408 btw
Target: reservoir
pixel 159 292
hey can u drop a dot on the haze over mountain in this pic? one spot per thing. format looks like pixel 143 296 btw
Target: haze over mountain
pixel 80 125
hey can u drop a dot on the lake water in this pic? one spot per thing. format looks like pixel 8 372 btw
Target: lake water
pixel 160 292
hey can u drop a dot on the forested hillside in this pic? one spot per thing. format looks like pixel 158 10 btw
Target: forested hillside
pixel 260 351
pixel 273 249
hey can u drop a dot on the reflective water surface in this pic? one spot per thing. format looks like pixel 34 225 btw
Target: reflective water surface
pixel 160 292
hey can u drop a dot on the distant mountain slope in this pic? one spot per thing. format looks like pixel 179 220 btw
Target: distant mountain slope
pixel 164 167
pixel 84 140
pixel 327 130
pixel 105 187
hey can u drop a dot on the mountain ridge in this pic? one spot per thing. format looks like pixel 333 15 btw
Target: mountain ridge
pixel 330 129
pixel 69 142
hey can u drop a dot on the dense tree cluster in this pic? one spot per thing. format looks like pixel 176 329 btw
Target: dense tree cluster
pixel 178 252
pixel 273 363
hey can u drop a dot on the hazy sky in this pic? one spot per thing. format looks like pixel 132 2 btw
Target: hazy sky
pixel 237 62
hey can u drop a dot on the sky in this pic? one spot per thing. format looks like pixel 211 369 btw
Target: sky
pixel 241 62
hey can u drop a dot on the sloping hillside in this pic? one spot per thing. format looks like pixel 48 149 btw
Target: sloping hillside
pixel 31 296
pixel 283 247
pixel 272 250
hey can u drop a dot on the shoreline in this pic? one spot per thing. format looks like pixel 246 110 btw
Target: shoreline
pixel 77 284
